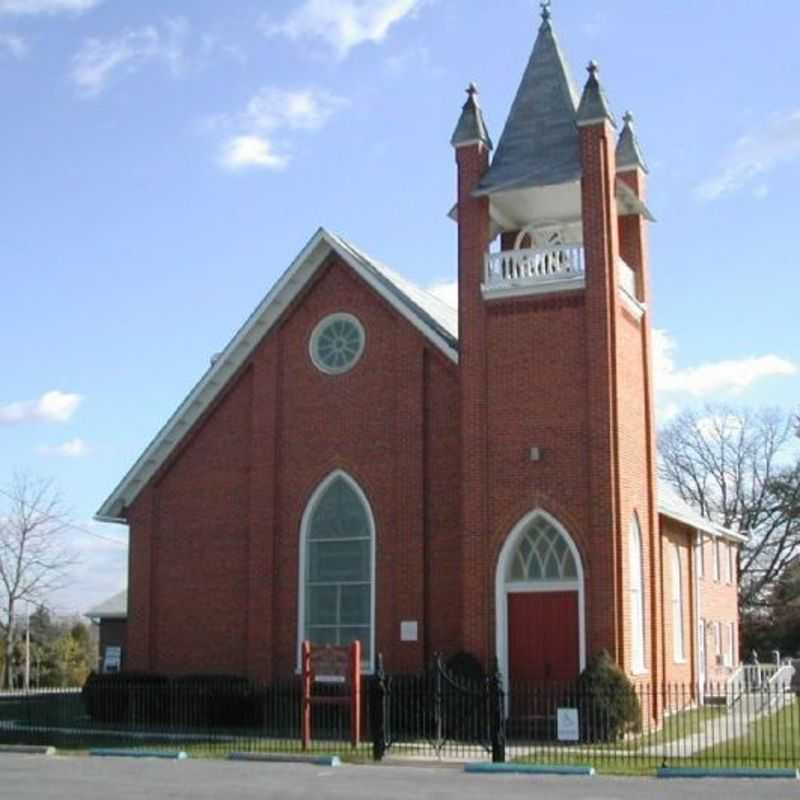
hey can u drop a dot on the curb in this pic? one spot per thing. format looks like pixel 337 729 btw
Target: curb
pixel 113 752
pixel 722 772
pixel 275 758
pixel 528 769
pixel 27 749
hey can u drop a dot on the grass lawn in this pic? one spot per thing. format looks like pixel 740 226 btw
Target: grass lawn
pixel 677 726
pixel 772 741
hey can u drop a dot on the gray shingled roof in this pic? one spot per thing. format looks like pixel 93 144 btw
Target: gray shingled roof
pixel 471 126
pixel 594 103
pixel 433 311
pixel 539 145
pixel 629 153
pixel 115 607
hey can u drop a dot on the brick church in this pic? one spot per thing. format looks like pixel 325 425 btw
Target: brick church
pixel 364 462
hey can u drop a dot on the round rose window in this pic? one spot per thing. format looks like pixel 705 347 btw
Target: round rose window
pixel 337 343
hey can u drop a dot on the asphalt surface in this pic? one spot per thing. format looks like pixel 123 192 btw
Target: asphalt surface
pixel 85 778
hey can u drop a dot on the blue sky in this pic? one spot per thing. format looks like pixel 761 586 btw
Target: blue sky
pixel 163 162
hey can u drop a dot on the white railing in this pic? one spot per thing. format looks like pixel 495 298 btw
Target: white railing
pixel 627 279
pixel 511 268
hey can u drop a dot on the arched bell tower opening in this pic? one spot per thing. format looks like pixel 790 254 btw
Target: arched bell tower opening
pixel 540 603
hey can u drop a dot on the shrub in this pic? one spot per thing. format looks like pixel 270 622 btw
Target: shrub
pixel 609 707
pixel 127 697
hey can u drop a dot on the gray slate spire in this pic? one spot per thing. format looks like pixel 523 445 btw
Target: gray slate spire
pixel 594 105
pixel 629 153
pixel 539 145
pixel 471 128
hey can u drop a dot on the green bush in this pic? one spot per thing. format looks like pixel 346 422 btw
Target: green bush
pixel 608 704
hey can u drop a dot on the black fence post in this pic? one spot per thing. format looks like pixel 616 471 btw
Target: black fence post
pixel 497 714
pixel 438 699
pixel 379 707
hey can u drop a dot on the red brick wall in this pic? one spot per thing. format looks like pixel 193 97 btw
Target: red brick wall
pixel 215 536
pixel 112 633
pixel 718 603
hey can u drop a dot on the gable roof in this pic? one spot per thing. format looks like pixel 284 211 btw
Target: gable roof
pixel 540 142
pixel 432 317
pixel 115 607
pixel 672 505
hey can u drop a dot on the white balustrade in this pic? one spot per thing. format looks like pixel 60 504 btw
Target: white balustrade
pixel 520 267
pixel 627 279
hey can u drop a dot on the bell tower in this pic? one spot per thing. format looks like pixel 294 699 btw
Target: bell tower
pixel 556 390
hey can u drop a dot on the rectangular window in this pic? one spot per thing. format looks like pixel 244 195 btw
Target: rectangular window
pixel 678 641
pixel 729 653
pixel 718 642
pixel 731 563
pixel 701 558
pixel 717 560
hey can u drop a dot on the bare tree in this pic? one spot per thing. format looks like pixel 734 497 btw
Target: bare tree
pixel 734 465
pixel 33 561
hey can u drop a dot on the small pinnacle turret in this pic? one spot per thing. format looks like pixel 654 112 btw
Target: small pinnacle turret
pixel 594 105
pixel 471 127
pixel 629 153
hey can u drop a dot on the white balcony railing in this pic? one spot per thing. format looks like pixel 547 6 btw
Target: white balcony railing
pixel 627 279
pixel 557 268
pixel 520 268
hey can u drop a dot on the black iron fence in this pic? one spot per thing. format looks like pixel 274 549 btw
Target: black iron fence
pixel 439 714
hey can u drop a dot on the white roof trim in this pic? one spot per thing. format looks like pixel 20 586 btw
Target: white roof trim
pixel 244 342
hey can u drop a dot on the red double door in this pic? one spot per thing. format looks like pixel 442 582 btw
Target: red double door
pixel 543 637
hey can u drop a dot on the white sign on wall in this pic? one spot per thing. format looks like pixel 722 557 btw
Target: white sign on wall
pixel 409 631
pixel 113 659
pixel 568 728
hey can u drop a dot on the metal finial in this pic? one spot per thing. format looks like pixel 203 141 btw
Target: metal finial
pixel 593 68
pixel 627 118
pixel 545 4
pixel 472 89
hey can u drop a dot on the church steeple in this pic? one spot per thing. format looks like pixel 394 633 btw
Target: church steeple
pixel 629 153
pixel 471 127
pixel 594 104
pixel 539 145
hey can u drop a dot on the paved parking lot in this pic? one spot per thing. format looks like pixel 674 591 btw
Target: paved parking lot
pixel 83 778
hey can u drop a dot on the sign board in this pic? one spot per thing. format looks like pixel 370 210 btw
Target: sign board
pixel 112 662
pixel 409 631
pixel 330 664
pixel 568 727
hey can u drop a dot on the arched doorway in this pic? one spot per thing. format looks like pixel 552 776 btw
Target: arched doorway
pixel 540 606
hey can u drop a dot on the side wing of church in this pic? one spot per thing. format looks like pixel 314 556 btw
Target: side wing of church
pixel 364 462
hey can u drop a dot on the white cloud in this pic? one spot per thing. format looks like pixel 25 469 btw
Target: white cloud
pixel 446 291
pixel 342 24
pixel 32 7
pixel 272 112
pixel 242 152
pixel 74 448
pixel 14 45
pixel 754 156
pixel 52 406
pixel 98 60
pixel 713 378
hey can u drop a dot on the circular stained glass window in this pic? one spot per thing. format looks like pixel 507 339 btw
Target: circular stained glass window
pixel 337 343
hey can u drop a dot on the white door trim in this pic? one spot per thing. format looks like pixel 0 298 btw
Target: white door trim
pixel 504 588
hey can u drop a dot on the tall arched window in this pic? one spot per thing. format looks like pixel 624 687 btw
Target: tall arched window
pixel 678 641
pixel 636 568
pixel 337 567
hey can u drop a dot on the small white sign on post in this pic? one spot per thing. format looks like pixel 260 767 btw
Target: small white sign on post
pixel 409 631
pixel 568 728
pixel 113 659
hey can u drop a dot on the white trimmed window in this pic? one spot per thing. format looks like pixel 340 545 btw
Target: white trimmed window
pixel 730 651
pixel 337 577
pixel 718 642
pixel 717 560
pixel 678 638
pixel 701 556
pixel 337 343
pixel 636 567
pixel 731 562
